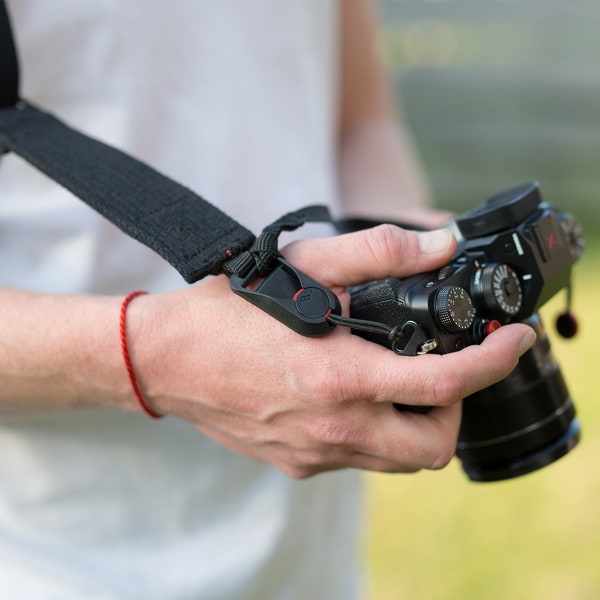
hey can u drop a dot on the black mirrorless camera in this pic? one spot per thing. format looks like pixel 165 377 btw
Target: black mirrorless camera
pixel 515 252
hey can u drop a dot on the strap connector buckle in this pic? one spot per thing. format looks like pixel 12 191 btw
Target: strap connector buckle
pixel 290 296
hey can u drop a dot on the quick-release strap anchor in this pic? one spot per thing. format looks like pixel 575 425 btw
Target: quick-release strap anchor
pixel 290 296
pixel 262 276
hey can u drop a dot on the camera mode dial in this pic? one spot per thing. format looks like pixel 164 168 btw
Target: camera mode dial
pixel 498 287
pixel 454 308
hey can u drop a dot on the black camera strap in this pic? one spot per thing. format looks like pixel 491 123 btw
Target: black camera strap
pixel 189 232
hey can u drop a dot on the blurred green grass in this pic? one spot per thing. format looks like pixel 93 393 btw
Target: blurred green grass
pixel 437 536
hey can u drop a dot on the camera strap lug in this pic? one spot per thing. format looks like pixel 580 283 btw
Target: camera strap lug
pixel 428 346
pixel 407 340
pixel 411 340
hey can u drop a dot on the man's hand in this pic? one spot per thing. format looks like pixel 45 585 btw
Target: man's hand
pixel 308 405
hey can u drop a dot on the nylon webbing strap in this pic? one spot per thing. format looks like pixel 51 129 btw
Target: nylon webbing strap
pixel 191 234
pixel 186 230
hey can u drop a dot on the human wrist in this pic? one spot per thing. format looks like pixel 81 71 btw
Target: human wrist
pixel 157 343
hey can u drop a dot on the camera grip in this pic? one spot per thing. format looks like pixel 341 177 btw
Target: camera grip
pixel 382 301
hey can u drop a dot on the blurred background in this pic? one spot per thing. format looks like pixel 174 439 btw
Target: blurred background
pixel 497 93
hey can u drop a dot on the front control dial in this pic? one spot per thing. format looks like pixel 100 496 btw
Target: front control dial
pixel 454 309
pixel 498 287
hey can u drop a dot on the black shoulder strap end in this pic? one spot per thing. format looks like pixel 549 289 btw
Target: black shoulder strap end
pixel 190 233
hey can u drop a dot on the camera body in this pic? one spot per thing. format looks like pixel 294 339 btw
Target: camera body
pixel 514 253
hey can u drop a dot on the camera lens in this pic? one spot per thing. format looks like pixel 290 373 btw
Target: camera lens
pixel 522 423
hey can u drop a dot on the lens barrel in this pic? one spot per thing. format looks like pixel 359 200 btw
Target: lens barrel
pixel 522 423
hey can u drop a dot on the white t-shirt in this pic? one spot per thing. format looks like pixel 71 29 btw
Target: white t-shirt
pixel 236 100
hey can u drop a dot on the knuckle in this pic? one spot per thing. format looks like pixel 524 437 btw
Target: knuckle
pixel 325 443
pixel 301 463
pixel 328 433
pixel 306 463
pixel 332 385
pixel 448 389
pixel 298 472
pixel 385 242
pixel 444 456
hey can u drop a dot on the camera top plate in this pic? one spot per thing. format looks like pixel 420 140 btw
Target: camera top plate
pixel 501 211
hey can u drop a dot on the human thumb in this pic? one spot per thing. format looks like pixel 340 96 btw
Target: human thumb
pixel 434 242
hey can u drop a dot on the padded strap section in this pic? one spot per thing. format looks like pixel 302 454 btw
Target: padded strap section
pixel 9 67
pixel 191 234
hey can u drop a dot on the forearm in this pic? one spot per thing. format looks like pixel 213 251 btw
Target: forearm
pixel 60 352
pixel 379 172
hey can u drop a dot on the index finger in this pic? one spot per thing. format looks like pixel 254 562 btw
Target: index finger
pixel 444 379
pixel 376 253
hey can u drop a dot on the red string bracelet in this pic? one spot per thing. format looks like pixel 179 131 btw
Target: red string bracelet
pixel 126 357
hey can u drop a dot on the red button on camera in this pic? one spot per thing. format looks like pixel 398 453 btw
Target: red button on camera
pixel 492 326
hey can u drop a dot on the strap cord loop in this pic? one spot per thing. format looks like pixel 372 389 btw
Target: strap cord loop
pixel 264 252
